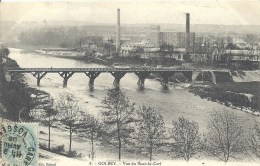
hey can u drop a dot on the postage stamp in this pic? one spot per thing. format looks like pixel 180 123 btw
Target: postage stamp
pixel 20 144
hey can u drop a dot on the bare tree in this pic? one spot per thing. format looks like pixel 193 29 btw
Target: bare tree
pixel 70 115
pixel 254 140
pixel 91 129
pixel 187 138
pixel 150 129
pixel 118 114
pixel 225 136
pixel 46 113
pixel 49 117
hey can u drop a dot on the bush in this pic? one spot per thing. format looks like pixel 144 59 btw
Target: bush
pixel 74 154
pixel 58 149
pixel 43 146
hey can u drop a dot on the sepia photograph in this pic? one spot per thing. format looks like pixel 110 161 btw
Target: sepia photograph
pixel 131 83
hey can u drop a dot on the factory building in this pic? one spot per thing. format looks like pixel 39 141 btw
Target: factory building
pixel 146 49
pixel 177 39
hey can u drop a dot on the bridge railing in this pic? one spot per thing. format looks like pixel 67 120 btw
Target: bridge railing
pixel 130 69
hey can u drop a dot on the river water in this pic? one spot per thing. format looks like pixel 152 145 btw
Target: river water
pixel 171 104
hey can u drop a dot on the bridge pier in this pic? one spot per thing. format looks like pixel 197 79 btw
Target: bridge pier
pixel 188 75
pixel 165 79
pixel 66 75
pixel 142 76
pixel 39 76
pixel 92 76
pixel 117 75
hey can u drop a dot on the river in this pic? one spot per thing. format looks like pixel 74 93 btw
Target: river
pixel 172 104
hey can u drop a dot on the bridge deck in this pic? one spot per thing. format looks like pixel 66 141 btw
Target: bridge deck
pixel 78 70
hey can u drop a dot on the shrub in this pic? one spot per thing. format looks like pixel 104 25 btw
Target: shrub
pixel 58 149
pixel 43 146
pixel 74 154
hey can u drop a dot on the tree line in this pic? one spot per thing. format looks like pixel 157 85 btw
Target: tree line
pixel 143 130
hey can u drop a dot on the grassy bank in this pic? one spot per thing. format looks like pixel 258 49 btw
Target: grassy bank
pixel 238 94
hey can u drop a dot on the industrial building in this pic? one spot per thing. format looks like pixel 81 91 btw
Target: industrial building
pixel 178 40
pixel 145 48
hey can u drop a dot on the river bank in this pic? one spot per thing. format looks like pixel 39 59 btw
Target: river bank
pixel 171 104
pixel 16 95
pixel 234 98
pixel 243 96
pixel 175 97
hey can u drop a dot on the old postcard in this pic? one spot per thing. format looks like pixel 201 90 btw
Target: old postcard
pixel 131 83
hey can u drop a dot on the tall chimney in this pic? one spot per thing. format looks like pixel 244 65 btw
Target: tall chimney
pixel 187 42
pixel 118 31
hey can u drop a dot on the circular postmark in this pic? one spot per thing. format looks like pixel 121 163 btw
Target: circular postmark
pixel 19 145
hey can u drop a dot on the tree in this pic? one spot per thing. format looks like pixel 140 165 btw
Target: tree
pixel 231 46
pixel 109 47
pixel 136 53
pixel 50 118
pixel 166 49
pixel 150 127
pixel 187 138
pixel 89 52
pixel 46 112
pixel 91 129
pixel 4 52
pixel 18 100
pixel 225 136
pixel 70 115
pixel 118 115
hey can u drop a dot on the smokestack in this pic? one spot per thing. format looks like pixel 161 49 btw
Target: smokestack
pixel 187 43
pixel 118 31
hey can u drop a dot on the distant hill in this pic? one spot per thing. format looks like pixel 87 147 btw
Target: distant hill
pixel 210 28
pixel 206 28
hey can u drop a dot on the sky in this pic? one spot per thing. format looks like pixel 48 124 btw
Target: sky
pixel 134 11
